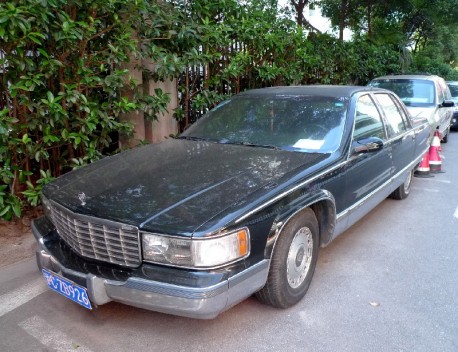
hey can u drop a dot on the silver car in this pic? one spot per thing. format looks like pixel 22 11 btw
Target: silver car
pixel 425 96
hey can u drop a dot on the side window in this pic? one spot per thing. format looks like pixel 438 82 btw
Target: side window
pixel 368 122
pixel 405 115
pixel 440 92
pixel 448 93
pixel 445 90
pixel 396 123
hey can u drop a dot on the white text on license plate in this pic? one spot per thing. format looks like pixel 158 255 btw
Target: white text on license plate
pixel 67 288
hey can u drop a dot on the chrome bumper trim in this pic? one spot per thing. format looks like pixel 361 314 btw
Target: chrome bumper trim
pixel 200 303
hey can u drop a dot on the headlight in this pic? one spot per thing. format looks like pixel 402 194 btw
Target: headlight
pixel 196 253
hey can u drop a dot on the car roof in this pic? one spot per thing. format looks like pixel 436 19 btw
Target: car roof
pixel 312 90
pixel 425 77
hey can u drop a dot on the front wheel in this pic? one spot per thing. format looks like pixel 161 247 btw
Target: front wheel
pixel 403 190
pixel 293 262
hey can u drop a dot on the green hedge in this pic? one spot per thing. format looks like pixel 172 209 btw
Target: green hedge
pixel 61 85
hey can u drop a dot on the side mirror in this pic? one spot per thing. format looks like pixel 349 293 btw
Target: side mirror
pixel 367 145
pixel 447 104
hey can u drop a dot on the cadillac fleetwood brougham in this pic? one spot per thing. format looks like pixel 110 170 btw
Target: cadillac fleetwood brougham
pixel 239 204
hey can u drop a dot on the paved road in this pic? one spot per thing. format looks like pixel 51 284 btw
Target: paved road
pixel 390 283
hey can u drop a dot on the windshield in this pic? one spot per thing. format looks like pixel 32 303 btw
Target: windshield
pixel 413 92
pixel 302 123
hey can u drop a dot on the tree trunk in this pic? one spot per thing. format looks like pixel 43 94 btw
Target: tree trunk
pixel 369 20
pixel 299 6
pixel 343 15
pixel 135 117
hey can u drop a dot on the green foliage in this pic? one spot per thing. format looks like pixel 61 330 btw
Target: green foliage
pixel 224 48
pixel 435 66
pixel 423 32
pixel 63 87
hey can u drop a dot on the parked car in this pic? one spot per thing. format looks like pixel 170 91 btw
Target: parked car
pixel 237 205
pixel 453 86
pixel 426 96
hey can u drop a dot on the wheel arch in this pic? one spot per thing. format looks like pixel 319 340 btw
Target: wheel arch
pixel 323 206
pixel 325 212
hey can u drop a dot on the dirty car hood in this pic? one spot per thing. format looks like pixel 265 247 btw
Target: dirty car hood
pixel 175 186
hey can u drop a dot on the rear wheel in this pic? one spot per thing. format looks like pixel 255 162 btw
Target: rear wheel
pixel 293 262
pixel 445 137
pixel 403 190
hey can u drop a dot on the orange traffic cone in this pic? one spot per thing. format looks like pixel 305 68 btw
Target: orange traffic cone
pixel 435 161
pixel 423 169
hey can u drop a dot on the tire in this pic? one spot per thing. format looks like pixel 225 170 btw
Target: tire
pixel 293 262
pixel 445 137
pixel 403 191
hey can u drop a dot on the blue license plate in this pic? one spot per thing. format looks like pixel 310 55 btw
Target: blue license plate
pixel 67 288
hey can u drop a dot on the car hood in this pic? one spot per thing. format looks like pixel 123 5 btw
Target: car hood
pixel 175 186
pixel 423 112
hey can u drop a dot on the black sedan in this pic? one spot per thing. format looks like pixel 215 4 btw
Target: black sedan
pixel 237 205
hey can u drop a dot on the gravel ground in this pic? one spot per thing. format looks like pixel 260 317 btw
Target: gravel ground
pixel 16 240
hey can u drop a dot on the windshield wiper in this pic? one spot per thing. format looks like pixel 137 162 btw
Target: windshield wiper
pixel 250 144
pixel 225 141
pixel 191 138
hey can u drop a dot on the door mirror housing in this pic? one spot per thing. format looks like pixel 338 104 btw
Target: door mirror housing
pixel 367 145
pixel 447 104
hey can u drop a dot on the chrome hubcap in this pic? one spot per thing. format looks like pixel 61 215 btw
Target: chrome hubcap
pixel 408 182
pixel 299 257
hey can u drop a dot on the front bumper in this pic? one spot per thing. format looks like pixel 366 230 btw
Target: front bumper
pixel 172 291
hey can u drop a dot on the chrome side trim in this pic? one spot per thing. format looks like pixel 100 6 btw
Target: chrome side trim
pixel 418 160
pixel 96 288
pixel 200 303
pixel 399 136
pixel 325 196
pixel 284 194
pixel 341 226
pixel 244 284
pixel 370 195
pixel 173 290
pixel 278 226
pixel 251 271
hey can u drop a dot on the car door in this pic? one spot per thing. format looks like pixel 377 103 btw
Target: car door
pixel 368 173
pixel 445 112
pixel 401 137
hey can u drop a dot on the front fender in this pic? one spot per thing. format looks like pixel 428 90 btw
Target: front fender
pixel 323 205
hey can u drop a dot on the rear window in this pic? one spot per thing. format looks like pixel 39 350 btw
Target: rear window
pixel 413 92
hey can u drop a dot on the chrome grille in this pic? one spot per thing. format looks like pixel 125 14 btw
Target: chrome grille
pixel 98 239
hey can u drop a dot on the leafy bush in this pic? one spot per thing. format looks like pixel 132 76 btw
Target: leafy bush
pixel 63 86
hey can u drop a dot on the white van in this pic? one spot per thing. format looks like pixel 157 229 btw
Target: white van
pixel 425 96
